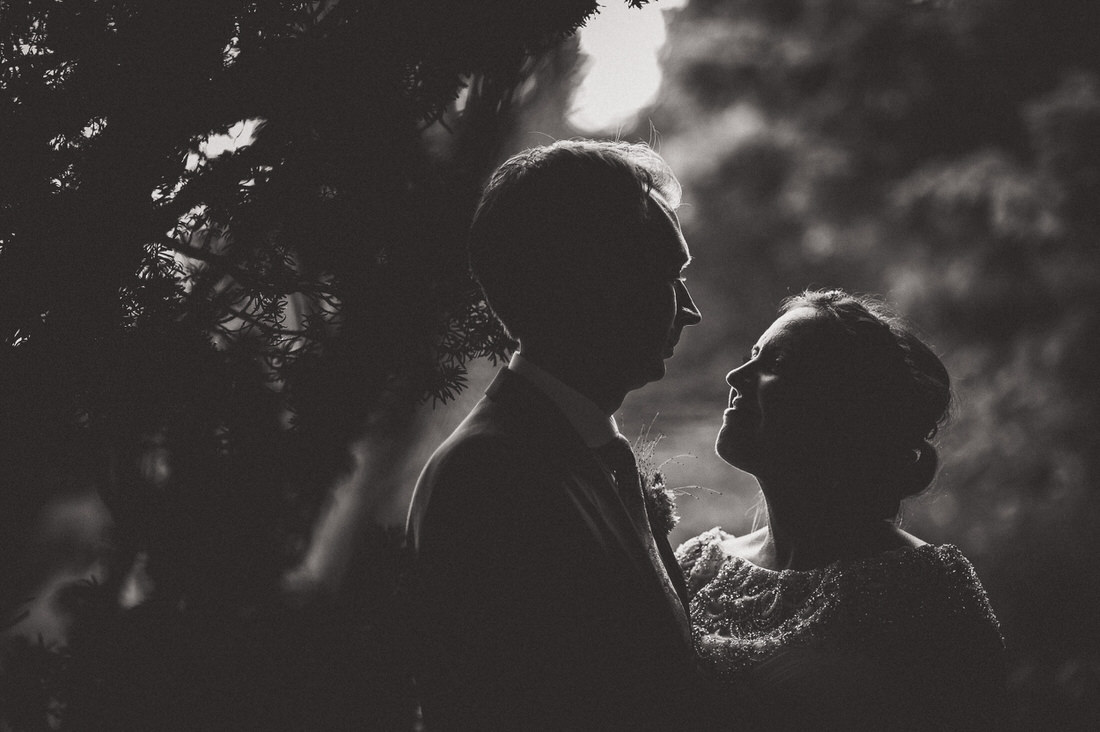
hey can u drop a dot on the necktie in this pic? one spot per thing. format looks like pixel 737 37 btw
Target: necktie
pixel 619 459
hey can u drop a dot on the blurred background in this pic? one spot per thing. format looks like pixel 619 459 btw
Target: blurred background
pixel 210 478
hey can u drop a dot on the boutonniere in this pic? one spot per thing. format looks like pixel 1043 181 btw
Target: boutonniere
pixel 660 500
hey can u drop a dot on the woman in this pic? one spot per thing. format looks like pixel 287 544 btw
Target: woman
pixel 831 616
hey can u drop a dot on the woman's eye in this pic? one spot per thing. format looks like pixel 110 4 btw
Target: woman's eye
pixel 778 364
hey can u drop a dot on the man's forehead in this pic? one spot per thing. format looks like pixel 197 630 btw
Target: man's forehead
pixel 669 225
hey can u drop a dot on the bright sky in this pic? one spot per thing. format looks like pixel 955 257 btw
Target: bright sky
pixel 621 75
pixel 239 135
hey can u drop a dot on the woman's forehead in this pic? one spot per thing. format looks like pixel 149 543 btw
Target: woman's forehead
pixel 797 327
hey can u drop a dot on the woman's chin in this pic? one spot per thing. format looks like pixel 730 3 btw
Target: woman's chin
pixel 730 446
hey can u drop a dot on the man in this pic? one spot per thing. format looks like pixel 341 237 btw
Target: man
pixel 544 599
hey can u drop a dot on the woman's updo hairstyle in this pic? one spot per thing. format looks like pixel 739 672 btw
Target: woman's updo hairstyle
pixel 891 391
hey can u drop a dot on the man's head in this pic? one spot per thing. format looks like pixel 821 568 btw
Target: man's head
pixel 577 247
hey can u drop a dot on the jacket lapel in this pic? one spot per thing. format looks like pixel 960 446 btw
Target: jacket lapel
pixel 554 437
pixel 549 433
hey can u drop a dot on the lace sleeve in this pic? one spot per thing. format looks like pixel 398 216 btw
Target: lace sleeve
pixel 701 557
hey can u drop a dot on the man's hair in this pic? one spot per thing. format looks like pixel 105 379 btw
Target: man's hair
pixel 556 220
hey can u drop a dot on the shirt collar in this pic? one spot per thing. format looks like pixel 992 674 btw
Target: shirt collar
pixel 594 427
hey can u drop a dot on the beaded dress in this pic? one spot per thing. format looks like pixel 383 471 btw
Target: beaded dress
pixel 902 640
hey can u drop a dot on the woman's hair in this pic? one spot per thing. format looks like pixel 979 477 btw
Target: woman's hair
pixel 893 392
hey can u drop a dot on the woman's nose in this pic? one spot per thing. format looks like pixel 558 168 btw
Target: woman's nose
pixel 733 377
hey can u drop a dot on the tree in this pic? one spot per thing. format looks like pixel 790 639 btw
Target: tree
pixel 198 336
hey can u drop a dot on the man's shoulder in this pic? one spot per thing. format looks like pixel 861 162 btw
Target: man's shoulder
pixel 470 470
pixel 501 437
pixel 486 438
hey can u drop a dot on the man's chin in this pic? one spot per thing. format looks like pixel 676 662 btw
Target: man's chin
pixel 646 375
pixel 655 371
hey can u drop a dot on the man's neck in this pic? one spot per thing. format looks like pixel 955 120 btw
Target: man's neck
pixel 590 423
pixel 574 371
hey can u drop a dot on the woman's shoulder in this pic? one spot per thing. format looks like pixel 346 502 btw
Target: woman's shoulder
pixel 745 546
pixel 919 588
pixel 924 615
pixel 702 557
pixel 696 545
pixel 929 570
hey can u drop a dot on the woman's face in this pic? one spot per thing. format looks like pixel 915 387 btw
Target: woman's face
pixel 779 414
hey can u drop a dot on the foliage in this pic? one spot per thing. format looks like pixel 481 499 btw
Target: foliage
pixel 268 664
pixel 197 334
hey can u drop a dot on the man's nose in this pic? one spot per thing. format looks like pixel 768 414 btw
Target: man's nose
pixel 688 312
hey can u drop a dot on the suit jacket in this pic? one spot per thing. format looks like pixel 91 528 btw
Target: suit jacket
pixel 536 604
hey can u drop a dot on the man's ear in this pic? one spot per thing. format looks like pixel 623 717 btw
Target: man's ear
pixel 576 315
pixel 552 309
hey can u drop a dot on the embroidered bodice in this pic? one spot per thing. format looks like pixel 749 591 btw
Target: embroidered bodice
pixel 907 619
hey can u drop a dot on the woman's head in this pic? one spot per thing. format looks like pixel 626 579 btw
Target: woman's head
pixel 841 389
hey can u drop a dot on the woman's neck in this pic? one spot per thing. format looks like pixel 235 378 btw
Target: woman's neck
pixel 809 528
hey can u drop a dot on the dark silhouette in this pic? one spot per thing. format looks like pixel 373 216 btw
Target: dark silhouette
pixel 546 599
pixel 193 339
pixel 831 613
pixel 832 411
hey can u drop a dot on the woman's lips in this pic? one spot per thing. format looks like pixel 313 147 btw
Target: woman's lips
pixel 739 412
pixel 739 407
